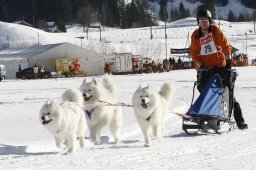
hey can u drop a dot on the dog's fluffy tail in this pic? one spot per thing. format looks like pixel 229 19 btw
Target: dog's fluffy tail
pixel 167 90
pixel 73 95
pixel 110 85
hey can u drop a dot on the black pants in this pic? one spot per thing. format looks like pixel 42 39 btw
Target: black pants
pixel 238 113
pixel 203 80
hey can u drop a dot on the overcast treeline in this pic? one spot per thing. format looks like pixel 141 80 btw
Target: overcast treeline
pixel 113 13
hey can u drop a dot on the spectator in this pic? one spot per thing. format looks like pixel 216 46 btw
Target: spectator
pixel 35 69
pixel 42 69
pixel 20 69
pixel 179 63
pixel 153 65
pixel 107 67
pixel 171 63
pixel 166 65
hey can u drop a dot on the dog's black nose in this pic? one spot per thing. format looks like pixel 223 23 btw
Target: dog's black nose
pixel 84 94
pixel 43 118
pixel 143 100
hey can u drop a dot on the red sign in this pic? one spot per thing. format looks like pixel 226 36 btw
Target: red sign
pixel 206 39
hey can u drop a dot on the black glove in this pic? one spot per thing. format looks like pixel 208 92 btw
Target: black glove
pixel 202 67
pixel 228 64
pixel 202 74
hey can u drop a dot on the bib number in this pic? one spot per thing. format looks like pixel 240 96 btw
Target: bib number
pixel 207 45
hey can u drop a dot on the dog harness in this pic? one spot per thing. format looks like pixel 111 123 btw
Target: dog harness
pixel 148 118
pixel 89 112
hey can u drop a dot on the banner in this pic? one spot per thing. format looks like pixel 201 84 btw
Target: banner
pixel 179 51
pixel 70 65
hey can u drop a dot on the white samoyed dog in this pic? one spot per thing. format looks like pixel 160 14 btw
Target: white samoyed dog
pixel 150 108
pixel 101 110
pixel 66 121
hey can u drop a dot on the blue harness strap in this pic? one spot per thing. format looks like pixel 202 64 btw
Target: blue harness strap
pixel 89 112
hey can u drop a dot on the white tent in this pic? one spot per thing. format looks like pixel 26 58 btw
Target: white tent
pixel 90 62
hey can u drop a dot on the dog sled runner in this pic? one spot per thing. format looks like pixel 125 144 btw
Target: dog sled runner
pixel 214 106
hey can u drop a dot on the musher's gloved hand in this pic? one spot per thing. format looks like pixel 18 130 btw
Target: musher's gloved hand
pixel 202 73
pixel 202 67
pixel 228 64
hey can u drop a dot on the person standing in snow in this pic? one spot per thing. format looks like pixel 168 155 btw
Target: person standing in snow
pixel 20 69
pixel 210 50
pixel 35 70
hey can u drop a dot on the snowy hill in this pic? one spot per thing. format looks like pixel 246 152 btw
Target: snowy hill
pixel 136 41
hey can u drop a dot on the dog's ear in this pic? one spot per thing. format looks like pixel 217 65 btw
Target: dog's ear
pixel 52 103
pixel 147 87
pixel 84 80
pixel 48 102
pixel 139 87
pixel 94 81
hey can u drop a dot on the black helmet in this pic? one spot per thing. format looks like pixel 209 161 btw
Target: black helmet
pixel 203 13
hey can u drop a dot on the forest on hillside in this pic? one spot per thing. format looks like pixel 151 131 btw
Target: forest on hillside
pixel 111 13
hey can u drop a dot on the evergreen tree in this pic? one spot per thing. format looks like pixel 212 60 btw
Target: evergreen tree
pixel 249 3
pixel 174 15
pixel 2 10
pixel 122 13
pixel 221 2
pixel 241 18
pixel 132 14
pixel 254 15
pixel 104 13
pixel 61 25
pixel 83 16
pixel 210 5
pixel 163 14
pixel 113 12
pixel 66 11
pixel 231 17
pixel 183 13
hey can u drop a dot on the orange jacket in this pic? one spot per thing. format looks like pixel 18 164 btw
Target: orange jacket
pixel 216 58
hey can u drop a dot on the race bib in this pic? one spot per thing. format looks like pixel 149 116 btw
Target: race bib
pixel 207 45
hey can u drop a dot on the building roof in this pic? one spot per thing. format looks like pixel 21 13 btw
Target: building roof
pixel 25 52
pixel 23 23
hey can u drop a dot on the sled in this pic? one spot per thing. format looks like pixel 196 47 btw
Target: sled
pixel 214 106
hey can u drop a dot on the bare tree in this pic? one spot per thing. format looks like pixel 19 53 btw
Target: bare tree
pixel 104 47
pixel 83 17
pixel 148 49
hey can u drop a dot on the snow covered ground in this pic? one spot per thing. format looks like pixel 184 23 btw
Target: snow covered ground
pixel 25 144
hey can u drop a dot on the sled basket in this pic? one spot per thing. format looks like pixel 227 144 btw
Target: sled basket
pixel 213 106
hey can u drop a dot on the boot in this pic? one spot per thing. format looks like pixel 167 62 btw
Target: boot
pixel 242 126
pixel 238 116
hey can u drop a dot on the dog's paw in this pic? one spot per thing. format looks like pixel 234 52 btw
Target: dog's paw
pixel 146 145
pixel 58 146
pixel 70 150
pixel 82 144
pixel 96 140
pixel 61 146
pixel 117 141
